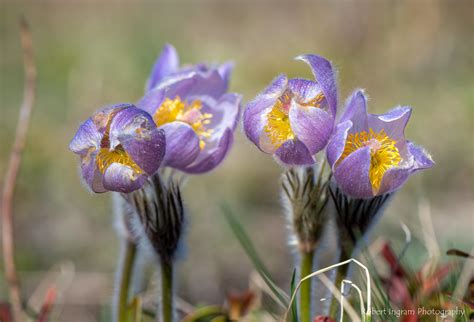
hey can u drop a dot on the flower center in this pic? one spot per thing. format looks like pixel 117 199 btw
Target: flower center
pixel 177 110
pixel 106 156
pixel 383 153
pixel 278 128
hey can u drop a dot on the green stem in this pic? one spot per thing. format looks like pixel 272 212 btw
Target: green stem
pixel 306 268
pixel 124 280
pixel 167 291
pixel 341 274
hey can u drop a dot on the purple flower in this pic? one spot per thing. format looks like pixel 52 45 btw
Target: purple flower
pixel 193 109
pixel 294 118
pixel 167 70
pixel 369 154
pixel 119 146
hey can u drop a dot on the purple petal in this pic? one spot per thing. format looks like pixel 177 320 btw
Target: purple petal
pixel 91 174
pixel 166 64
pixel 183 73
pixel 230 104
pixel 304 89
pixel 325 76
pixel 225 112
pixel 394 178
pixel 393 122
pixel 254 115
pixel 135 130
pixel 225 70
pixel 211 84
pixel 312 126
pixel 277 86
pixel 208 161
pixel 102 117
pixel 152 100
pixel 122 178
pixel 86 138
pixel 337 142
pixel 294 152
pixel 422 159
pixel 182 145
pixel 352 174
pixel 356 111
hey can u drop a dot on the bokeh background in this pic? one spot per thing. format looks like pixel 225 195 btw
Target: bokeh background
pixel 89 54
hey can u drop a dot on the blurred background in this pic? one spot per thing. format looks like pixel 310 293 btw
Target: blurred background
pixel 89 54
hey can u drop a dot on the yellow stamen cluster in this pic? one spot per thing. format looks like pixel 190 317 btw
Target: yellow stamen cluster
pixel 383 153
pixel 177 110
pixel 106 157
pixel 278 128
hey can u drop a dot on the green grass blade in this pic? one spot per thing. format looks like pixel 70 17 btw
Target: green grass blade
pixel 294 309
pixel 249 248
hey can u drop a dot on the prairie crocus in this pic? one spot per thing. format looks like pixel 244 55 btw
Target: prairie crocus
pixel 370 159
pixel 294 118
pixel 369 154
pixel 119 147
pixel 198 117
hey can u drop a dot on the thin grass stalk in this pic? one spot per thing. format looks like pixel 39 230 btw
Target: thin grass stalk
pixel 359 292
pixel 341 274
pixel 351 312
pixel 368 311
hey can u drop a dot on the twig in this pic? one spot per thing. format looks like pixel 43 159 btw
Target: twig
pixel 13 168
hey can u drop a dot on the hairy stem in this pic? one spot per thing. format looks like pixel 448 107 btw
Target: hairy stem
pixel 167 291
pixel 123 280
pixel 306 268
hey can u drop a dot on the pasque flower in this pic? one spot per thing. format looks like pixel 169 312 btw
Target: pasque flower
pixel 119 147
pixel 370 159
pixel 294 118
pixel 369 154
pixel 192 106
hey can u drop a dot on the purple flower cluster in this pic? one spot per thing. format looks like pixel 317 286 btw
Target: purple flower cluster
pixel 293 119
pixel 185 120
